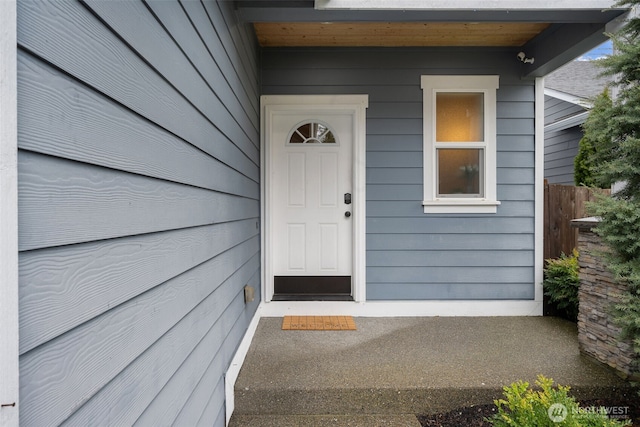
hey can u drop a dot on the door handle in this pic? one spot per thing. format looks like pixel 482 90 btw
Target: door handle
pixel 347 214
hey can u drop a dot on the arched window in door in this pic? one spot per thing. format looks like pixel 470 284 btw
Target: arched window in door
pixel 312 132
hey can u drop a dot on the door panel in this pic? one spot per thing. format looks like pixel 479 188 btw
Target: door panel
pixel 312 235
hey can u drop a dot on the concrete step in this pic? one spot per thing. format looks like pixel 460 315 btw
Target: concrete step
pixel 399 420
pixel 359 401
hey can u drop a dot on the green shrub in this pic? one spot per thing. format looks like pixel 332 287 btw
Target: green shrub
pixel 546 407
pixel 561 283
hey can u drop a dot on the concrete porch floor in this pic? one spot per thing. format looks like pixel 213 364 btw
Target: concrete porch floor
pixel 393 368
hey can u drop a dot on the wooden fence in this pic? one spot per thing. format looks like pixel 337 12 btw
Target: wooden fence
pixel 562 203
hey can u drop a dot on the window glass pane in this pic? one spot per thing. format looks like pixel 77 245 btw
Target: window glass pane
pixel 312 133
pixel 297 138
pixel 460 172
pixel 459 117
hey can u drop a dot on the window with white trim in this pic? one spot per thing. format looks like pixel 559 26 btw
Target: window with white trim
pixel 459 144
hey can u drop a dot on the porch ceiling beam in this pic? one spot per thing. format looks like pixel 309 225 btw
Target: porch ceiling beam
pixel 560 44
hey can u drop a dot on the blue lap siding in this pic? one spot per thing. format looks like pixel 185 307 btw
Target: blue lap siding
pixel 138 208
pixel 412 255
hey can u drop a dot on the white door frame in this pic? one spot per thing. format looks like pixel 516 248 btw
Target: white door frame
pixel 356 106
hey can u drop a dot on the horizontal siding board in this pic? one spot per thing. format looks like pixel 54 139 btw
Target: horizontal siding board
pixel 450 242
pixel 450 291
pixel 61 288
pixel 516 159
pixel 100 349
pixel 515 176
pixel 202 76
pixel 438 258
pixel 214 407
pixel 561 179
pixel 214 413
pixel 394 176
pixel 460 274
pixel 516 192
pixel 388 192
pixel 212 99
pixel 451 225
pixel 427 59
pixel 124 399
pixel 561 163
pixel 388 93
pixel 63 202
pixel 71 121
pixel 520 92
pixel 197 402
pixel 62 32
pixel 515 110
pixel 515 143
pixel 394 127
pixel 178 391
pixel 245 65
pixel 516 126
pixel 555 109
pixel 395 143
pixel 393 159
pixel 395 110
pixel 244 86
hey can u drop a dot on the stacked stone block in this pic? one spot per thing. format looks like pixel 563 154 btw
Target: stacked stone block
pixel 598 336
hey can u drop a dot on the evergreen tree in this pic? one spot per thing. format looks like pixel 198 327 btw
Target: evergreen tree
pixel 616 139
pixel 595 136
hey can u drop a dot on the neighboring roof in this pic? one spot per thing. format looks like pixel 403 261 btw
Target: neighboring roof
pixel 580 79
pixel 577 83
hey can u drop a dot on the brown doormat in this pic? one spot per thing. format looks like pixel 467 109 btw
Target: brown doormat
pixel 318 323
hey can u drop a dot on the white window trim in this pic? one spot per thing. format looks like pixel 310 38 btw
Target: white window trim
pixel 488 86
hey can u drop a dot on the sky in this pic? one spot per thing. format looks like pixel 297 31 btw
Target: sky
pixel 600 51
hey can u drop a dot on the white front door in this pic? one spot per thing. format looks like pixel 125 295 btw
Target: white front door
pixel 311 179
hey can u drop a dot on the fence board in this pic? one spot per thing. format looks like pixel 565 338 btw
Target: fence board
pixel 563 203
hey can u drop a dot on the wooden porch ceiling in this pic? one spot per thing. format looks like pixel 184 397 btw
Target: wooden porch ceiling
pixel 396 34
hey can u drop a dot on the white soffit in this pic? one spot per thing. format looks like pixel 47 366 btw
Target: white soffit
pixel 464 4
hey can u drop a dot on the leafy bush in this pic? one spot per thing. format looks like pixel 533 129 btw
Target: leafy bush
pixel 546 407
pixel 562 282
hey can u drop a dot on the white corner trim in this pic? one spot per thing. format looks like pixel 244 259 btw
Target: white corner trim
pixel 231 376
pixel 9 350
pixel 539 191
pixel 353 104
pixel 444 308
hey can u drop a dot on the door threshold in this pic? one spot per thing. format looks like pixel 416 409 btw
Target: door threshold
pixel 312 297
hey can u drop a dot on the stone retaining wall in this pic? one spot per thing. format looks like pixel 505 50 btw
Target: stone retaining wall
pixel 597 335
